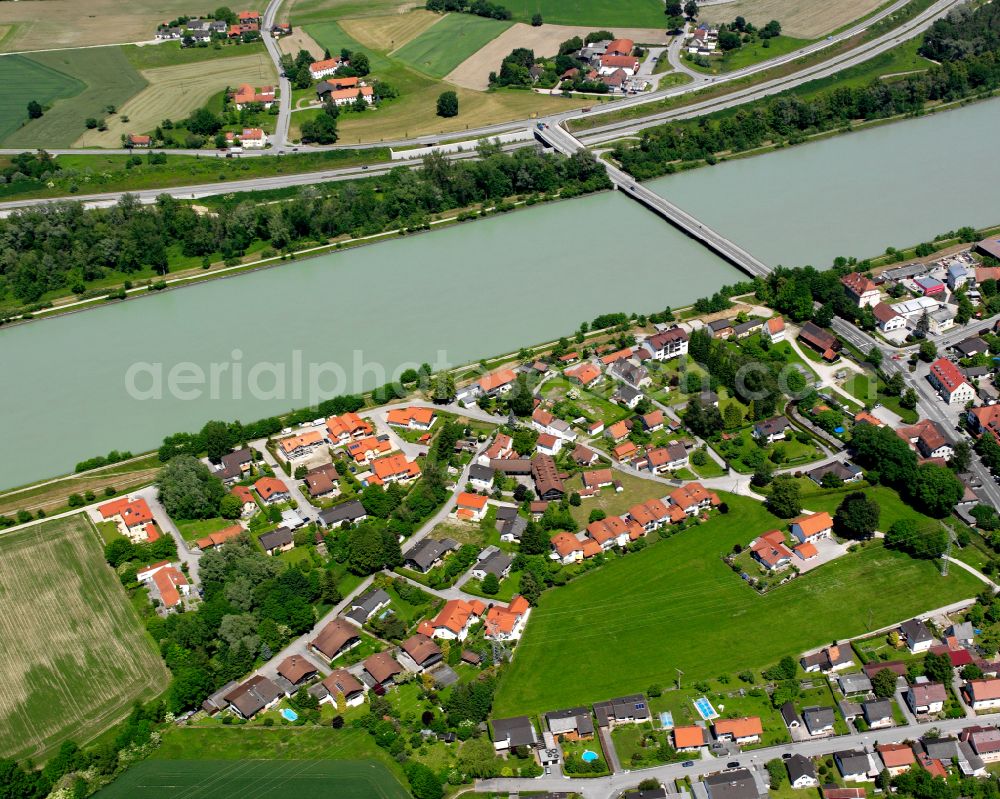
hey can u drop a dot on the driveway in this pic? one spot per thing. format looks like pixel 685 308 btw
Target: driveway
pixel 828 550
pixel 185 553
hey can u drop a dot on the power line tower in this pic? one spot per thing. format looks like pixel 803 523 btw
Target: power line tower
pixel 679 675
pixel 946 557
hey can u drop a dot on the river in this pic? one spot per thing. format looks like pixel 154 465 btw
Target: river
pixel 856 194
pixel 475 290
pixel 470 291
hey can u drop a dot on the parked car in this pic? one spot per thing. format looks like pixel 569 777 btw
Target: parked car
pixel 733 764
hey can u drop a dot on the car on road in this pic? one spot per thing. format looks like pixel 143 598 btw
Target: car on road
pixel 733 764
pixel 785 755
pixel 687 764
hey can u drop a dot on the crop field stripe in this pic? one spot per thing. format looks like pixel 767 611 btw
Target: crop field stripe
pixel 445 45
pixel 598 13
pixel 332 37
pixel 110 80
pixel 74 655
pixel 24 80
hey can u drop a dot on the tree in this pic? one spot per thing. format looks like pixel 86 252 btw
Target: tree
pixel 691 9
pixel 935 489
pixel 34 109
pixel 447 104
pixel 909 399
pixel 776 773
pixel 927 351
pixel 784 500
pixel 536 20
pixel 321 129
pixel 534 540
pixel 188 490
pixel 938 668
pixel 884 683
pixel 674 8
pixel 359 64
pixel 203 122
pixel 857 516
pixel 961 458
pixel 490 584
pixel 217 440
pixel 230 507
pixel 530 589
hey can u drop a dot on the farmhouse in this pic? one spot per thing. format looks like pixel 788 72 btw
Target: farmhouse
pixel 246 95
pixel 825 343
pixel 336 83
pixel 337 637
pixel 774 329
pixel 548 480
pixel 249 139
pixel 950 383
pixel 320 69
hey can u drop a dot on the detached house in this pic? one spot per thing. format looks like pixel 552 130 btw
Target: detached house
pixel 300 445
pixel 918 638
pixel 454 620
pixel 854 765
pixel 774 329
pixel 665 345
pixel 982 694
pixel 271 490
pixel 382 669
pixel 832 658
pixel 506 623
pixel 812 528
pixel 896 758
pixel 499 382
pixel 335 638
pixel 801 772
pixel 393 469
pixel 133 517
pixel 419 652
pixel 341 429
pixel 770 551
pixel 878 713
pixel 926 698
pixel 771 430
pixel 470 507
pixel 412 418
pixel 927 438
pixel 341 683
pixel 514 732
pixel 746 730
pixel 689 739
pixel 586 374
pixel 692 498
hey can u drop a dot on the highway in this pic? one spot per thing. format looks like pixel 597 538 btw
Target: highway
pixel 590 137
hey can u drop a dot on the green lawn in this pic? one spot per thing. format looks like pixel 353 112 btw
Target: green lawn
pixel 82 655
pixel 25 80
pixel 751 54
pixel 109 78
pixel 306 11
pixel 193 529
pixel 586 402
pixel 171 54
pixel 603 13
pixel 447 43
pixel 891 506
pixel 332 37
pixel 679 606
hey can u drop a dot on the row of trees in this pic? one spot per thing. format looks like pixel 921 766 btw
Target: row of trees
pixel 481 8
pixel 62 246
pixel 967 41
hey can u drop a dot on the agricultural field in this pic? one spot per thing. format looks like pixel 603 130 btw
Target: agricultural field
pixel 804 19
pixel 171 54
pixel 303 12
pixel 390 32
pixel 26 80
pixel 82 657
pixel 412 114
pixel 474 71
pixel 675 601
pixel 603 13
pixel 300 40
pixel 445 45
pixel 43 24
pixel 109 79
pixel 176 91
pixel 229 779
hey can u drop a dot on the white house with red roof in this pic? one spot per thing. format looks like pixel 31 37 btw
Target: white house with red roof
pixel 498 382
pixel 245 496
pixel 506 622
pixel 393 469
pixel 412 418
pixel 320 69
pixel 454 620
pixel 167 583
pixel 692 498
pixel 774 329
pixel 132 516
pixel 271 490
pixel 950 383
pixel 548 444
pixel 813 527
pixel 249 139
pixel 470 507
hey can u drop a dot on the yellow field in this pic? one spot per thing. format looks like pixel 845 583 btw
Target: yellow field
pixel 417 117
pixel 803 19
pixel 174 92
pixel 74 655
pixel 300 40
pixel 46 24
pixel 301 12
pixel 390 32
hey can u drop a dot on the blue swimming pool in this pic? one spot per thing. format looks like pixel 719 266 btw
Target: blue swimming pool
pixel 589 756
pixel 289 714
pixel 705 709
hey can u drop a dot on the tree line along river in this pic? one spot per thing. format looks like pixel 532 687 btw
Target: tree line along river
pixel 470 291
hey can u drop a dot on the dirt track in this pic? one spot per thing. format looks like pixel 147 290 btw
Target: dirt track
pixel 474 72
pixel 804 19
